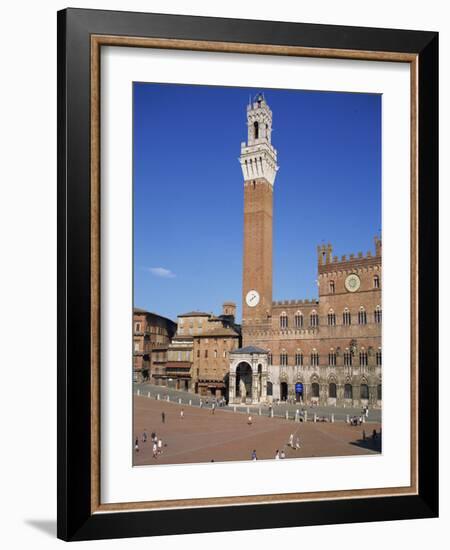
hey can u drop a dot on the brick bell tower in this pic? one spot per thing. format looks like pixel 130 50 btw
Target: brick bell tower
pixel 259 167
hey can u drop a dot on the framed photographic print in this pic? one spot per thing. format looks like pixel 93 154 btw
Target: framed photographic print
pixel 247 274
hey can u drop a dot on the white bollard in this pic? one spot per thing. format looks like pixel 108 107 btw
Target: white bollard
pixel 271 413
pixel 332 417
pixel 138 392
pixel 315 417
pixel 259 411
pixel 287 415
pixel 306 416
pixel 347 419
pixel 248 410
pixel 234 408
pixel 157 397
pixel 168 398
pixel 190 402
pixel 148 395
pixel 179 400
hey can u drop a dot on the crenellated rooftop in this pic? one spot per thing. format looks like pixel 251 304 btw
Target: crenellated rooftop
pixel 328 262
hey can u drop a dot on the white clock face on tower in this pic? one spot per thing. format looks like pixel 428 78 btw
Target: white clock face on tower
pixel 252 298
pixel 352 282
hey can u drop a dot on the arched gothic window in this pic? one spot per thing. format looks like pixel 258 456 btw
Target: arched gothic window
pixel 314 358
pixel 362 316
pixel 378 357
pixel 256 129
pixel 363 358
pixel 314 319
pixel 283 358
pixel 376 281
pixel 298 320
pixel 348 358
pixel 283 320
pixel 346 317
pixel 331 318
pixel 377 314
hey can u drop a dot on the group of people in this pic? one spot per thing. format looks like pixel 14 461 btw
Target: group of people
pixel 214 403
pixel 281 454
pixel 157 443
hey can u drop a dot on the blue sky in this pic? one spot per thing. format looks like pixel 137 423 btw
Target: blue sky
pixel 188 190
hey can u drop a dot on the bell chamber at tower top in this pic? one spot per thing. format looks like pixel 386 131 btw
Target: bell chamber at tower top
pixel 258 157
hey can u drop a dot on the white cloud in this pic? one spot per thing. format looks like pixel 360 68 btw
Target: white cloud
pixel 161 272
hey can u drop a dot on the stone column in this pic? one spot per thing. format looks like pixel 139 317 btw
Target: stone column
pixel 372 396
pixel 263 387
pixel 232 388
pixel 255 398
pixel 323 395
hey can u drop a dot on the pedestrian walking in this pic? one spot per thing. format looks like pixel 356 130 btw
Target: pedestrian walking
pixel 182 414
pixel 291 441
pixel 297 444
pixel 283 454
pixel 163 417
pixel 136 445
pixel 277 455
pixel 201 404
pixel 213 408
pixel 254 457
pixel 160 444
pixel 144 437
pixel 155 450
pixel 249 422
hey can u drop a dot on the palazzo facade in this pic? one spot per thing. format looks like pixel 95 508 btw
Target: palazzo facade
pixel 324 351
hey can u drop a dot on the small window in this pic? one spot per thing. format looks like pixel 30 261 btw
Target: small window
pixel 283 359
pixel 376 281
pixel 331 319
pixel 332 359
pixel 363 358
pixel 298 320
pixel 332 287
pixel 299 359
pixel 314 359
pixel 283 320
pixel 347 359
pixel 256 129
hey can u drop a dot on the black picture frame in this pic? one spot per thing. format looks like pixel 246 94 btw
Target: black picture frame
pixel 75 518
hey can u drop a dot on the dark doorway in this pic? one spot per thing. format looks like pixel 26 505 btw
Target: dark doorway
pixel 244 381
pixel 283 391
pixel 314 389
